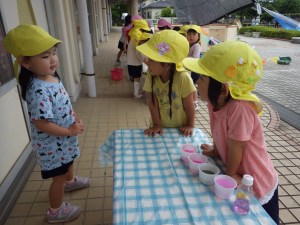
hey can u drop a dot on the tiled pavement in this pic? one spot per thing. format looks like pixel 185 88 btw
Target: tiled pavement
pixel 114 108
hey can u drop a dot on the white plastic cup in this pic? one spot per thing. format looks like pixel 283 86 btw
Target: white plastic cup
pixel 224 186
pixel 207 173
pixel 195 159
pixel 185 151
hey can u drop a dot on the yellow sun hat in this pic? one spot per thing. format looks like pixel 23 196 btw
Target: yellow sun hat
pixel 28 40
pixel 136 34
pixel 195 28
pixel 166 46
pixel 184 29
pixel 235 63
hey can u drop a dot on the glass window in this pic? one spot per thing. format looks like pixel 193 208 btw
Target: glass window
pixel 6 68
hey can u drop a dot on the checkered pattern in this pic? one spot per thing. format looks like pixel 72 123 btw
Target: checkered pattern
pixel 152 185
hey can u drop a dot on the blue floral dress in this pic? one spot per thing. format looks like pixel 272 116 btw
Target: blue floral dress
pixel 50 101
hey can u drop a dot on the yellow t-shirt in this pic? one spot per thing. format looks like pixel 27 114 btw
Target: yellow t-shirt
pixel 181 88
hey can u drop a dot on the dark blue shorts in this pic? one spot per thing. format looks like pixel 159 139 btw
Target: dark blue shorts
pixel 57 171
pixel 135 71
pixel 272 207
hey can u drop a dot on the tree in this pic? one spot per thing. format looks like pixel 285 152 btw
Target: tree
pixel 116 12
pixel 166 12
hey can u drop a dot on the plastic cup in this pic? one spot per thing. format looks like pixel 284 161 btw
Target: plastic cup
pixel 207 173
pixel 185 151
pixel 224 186
pixel 195 159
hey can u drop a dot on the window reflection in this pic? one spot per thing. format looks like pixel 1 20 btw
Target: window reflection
pixel 6 68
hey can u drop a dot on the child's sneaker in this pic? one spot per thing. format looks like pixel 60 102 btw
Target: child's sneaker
pixel 196 105
pixel 67 212
pixel 139 95
pixel 79 183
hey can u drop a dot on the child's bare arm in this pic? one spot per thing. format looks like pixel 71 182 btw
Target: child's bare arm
pixel 188 106
pixel 154 111
pixel 54 129
pixel 234 158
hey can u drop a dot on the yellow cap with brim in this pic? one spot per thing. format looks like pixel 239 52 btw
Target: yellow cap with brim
pixel 166 46
pixel 183 29
pixel 235 63
pixel 195 28
pixel 28 40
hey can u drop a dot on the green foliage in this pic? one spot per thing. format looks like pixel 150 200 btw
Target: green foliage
pixel 166 12
pixel 271 32
pixel 287 6
pixel 116 12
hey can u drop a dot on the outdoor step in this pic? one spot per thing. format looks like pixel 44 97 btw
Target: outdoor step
pixel 295 40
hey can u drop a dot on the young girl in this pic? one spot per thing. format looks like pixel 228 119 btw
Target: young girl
pixel 54 126
pixel 121 44
pixel 228 74
pixel 139 32
pixel 168 86
pixel 193 37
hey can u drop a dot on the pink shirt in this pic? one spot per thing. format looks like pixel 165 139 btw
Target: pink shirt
pixel 239 121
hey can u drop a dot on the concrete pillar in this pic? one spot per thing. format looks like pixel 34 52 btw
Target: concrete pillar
pixel 87 47
pixel 104 14
pixel 134 7
pixel 100 21
pixel 66 64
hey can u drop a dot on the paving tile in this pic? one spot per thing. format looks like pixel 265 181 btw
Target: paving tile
pixel 27 196
pixel 291 189
pixel 107 217
pixel 93 217
pixel 286 216
pixel 94 204
pixel 289 202
pixel 20 210
pixel 15 221
pixel 296 213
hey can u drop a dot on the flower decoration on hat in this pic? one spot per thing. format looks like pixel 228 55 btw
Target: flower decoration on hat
pixel 230 71
pixel 163 48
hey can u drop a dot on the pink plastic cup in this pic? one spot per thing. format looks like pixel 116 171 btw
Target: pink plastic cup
pixel 185 151
pixel 224 186
pixel 195 159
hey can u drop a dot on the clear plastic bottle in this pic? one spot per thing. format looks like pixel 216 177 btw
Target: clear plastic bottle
pixel 244 193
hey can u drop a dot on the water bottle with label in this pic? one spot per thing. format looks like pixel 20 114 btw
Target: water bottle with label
pixel 244 192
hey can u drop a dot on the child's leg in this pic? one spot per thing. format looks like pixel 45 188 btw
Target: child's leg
pixel 60 211
pixel 56 191
pixel 70 175
pixel 73 182
pixel 136 88
pixel 119 55
pixel 272 207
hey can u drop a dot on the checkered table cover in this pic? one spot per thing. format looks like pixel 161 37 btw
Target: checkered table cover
pixel 153 186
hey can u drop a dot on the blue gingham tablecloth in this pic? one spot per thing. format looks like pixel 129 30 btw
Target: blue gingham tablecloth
pixel 153 186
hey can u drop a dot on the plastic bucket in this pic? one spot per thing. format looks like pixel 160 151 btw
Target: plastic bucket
pixel 117 74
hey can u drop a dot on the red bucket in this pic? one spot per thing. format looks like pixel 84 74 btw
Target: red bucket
pixel 117 74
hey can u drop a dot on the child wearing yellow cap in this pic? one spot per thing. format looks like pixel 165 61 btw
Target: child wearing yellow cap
pixel 139 33
pixel 54 125
pixel 229 72
pixel 168 85
pixel 193 37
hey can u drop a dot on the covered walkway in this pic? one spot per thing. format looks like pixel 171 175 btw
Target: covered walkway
pixel 114 108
